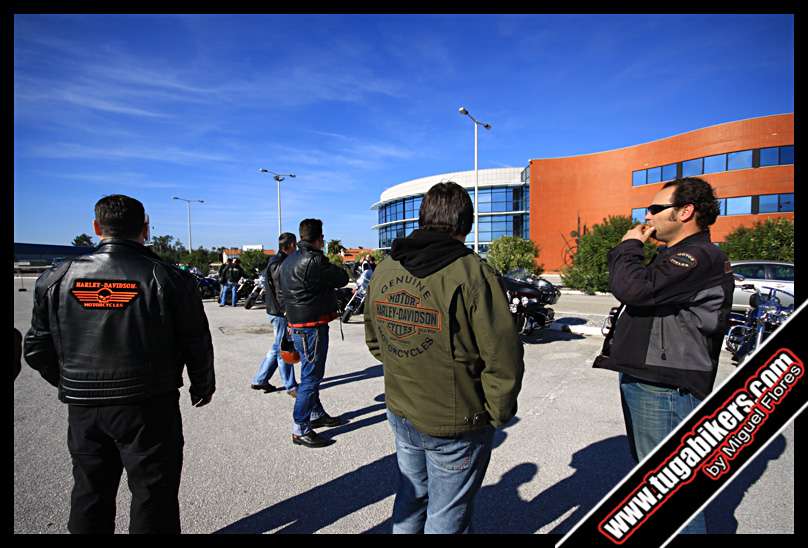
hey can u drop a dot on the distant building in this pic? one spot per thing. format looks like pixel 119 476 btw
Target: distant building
pixel 235 252
pixel 45 254
pixel 351 254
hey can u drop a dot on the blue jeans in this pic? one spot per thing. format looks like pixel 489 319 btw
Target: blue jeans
pixel 438 478
pixel 312 345
pixel 223 297
pixel 651 413
pixel 273 358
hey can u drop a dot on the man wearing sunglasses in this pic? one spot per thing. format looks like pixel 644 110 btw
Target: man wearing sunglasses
pixel 668 336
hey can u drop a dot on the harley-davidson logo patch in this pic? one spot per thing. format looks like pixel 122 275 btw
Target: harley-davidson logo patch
pixel 105 294
pixel 403 316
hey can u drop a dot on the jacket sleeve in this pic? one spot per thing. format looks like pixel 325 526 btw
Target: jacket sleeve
pixel 669 280
pixel 40 351
pixel 371 339
pixel 331 275
pixel 499 347
pixel 273 276
pixel 193 338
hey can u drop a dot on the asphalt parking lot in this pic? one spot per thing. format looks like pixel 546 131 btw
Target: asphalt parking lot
pixel 565 449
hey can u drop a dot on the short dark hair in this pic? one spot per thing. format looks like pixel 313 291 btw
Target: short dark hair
pixel 692 190
pixel 285 240
pixel 120 216
pixel 310 230
pixel 446 208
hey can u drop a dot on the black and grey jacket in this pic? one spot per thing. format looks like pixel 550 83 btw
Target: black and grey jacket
pixel 117 326
pixel 675 315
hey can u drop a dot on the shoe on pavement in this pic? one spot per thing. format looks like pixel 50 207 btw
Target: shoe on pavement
pixel 292 393
pixel 266 387
pixel 327 421
pixel 311 440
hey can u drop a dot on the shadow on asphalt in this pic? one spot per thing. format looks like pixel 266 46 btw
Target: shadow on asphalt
pixel 720 513
pixel 544 336
pixel 353 376
pixel 571 320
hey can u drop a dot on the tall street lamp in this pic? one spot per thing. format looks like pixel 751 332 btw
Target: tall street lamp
pixel 465 112
pixel 190 242
pixel 278 178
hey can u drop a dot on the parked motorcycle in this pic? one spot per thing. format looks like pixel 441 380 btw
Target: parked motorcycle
pixel 356 305
pixel 766 313
pixel 244 288
pixel 529 298
pixel 208 287
pixel 344 295
pixel 258 293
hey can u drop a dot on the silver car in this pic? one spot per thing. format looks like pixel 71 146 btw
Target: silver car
pixel 776 274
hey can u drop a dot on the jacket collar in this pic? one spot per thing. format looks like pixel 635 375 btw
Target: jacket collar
pixel 303 245
pixel 123 243
pixel 703 236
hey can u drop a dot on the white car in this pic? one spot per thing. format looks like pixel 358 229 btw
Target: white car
pixel 762 274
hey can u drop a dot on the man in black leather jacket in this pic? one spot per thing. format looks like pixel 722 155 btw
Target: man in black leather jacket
pixel 113 330
pixel 276 312
pixel 231 275
pixel 307 283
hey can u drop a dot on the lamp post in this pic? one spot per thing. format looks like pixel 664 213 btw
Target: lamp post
pixel 190 242
pixel 465 112
pixel 278 178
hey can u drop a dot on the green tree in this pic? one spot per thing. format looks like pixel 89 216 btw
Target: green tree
pixel 510 252
pixel 334 247
pixel 167 248
pixel 83 240
pixel 589 271
pixel 771 240
pixel 253 259
pixel 201 259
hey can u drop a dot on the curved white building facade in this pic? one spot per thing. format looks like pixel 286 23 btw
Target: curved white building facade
pixel 503 204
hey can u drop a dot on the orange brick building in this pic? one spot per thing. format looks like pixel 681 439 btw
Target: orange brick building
pixel 750 163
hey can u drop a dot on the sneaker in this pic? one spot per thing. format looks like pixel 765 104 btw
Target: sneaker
pixel 292 393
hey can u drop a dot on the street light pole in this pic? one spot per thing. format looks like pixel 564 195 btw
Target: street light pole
pixel 278 178
pixel 188 202
pixel 465 112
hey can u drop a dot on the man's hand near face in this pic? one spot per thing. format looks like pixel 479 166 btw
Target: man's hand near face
pixel 639 232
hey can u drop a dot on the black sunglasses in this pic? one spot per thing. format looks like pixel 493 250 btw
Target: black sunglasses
pixel 653 209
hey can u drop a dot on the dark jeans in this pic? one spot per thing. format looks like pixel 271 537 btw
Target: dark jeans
pixel 312 345
pixel 144 438
pixel 651 413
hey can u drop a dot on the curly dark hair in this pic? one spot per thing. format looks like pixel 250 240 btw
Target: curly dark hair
pixel 692 190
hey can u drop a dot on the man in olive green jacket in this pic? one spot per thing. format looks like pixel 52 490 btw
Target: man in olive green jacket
pixel 437 318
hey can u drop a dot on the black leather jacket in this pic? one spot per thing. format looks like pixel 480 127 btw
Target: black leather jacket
pixel 117 326
pixel 231 274
pixel 307 284
pixel 272 296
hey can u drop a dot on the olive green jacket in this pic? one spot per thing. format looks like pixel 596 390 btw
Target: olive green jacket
pixel 451 354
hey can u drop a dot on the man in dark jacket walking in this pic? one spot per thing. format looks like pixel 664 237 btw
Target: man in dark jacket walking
pixel 277 316
pixel 307 283
pixel 668 338
pixel 436 316
pixel 113 331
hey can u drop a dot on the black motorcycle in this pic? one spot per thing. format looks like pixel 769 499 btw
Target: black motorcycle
pixel 529 298
pixel 244 288
pixel 208 287
pixel 344 295
pixel 748 330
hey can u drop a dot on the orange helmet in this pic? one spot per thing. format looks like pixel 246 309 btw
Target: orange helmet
pixel 290 356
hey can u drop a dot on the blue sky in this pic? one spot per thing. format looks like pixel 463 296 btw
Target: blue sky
pixel 192 105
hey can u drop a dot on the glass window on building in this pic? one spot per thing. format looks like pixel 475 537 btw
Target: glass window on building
pixel 768 203
pixel 722 206
pixel 638 178
pixel 769 156
pixel 787 202
pixel 669 172
pixel 654 175
pixel 416 205
pixel 739 160
pixel 787 155
pixel 693 167
pixel 741 205
pixel 638 215
pixel 714 164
